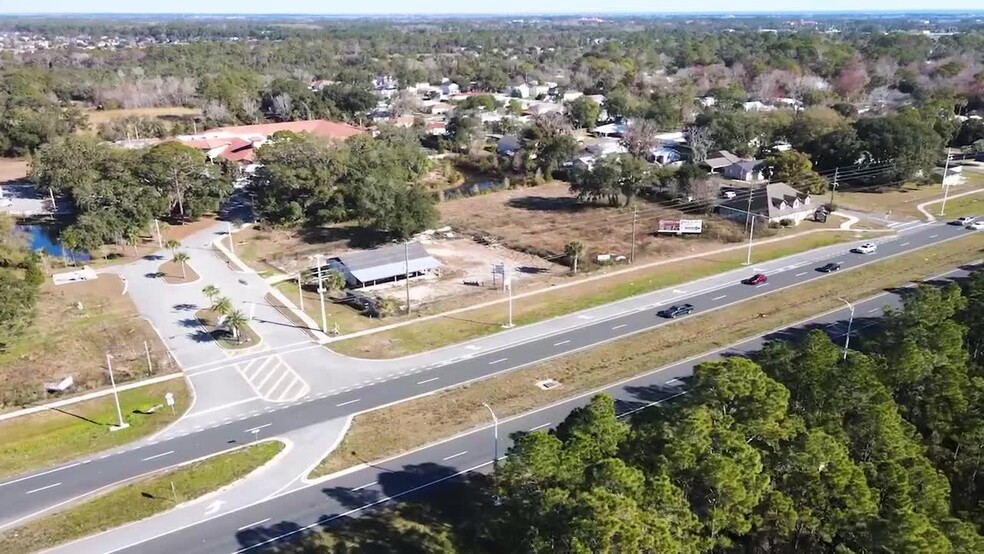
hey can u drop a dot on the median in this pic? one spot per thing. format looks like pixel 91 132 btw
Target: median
pixel 139 500
pixel 430 334
pixel 389 431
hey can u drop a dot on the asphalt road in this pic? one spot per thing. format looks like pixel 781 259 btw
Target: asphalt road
pixel 262 526
pixel 27 495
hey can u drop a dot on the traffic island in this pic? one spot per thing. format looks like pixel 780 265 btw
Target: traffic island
pixel 228 331
pixel 386 432
pixel 140 500
pixel 174 273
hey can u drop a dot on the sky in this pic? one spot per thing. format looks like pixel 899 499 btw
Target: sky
pixel 503 7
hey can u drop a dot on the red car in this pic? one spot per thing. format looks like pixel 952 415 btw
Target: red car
pixel 756 279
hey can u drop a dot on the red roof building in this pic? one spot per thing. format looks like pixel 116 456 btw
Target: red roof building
pixel 237 143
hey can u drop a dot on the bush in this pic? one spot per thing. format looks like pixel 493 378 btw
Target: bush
pixel 785 222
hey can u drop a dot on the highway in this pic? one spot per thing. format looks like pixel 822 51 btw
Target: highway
pixel 259 527
pixel 24 496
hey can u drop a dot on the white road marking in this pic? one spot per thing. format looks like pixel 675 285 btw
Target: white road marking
pixel 257 428
pixel 762 285
pixel 904 244
pixel 347 403
pixel 473 347
pixel 500 360
pixel 428 380
pixel 462 453
pixel 158 455
pixel 51 487
pixel 719 297
pixel 254 524
pixel 873 310
pixel 673 381
pixel 678 291
pixel 42 473
pixel 585 317
pixel 561 342
pixel 359 488
pixel 620 326
pixel 800 274
pixel 540 426
pixel 933 236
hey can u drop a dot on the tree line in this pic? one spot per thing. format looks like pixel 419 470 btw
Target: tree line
pixel 21 275
pixel 797 448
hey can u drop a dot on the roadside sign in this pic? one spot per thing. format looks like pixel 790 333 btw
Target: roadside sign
pixel 681 226
pixel 169 399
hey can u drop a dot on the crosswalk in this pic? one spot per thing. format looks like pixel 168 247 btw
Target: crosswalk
pixel 907 225
pixel 273 379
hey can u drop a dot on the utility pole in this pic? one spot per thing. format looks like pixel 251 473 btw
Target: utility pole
pixel 232 247
pixel 51 195
pixel 406 266
pixel 833 186
pixel 150 365
pixel 507 284
pixel 160 240
pixel 116 396
pixel 300 291
pixel 946 187
pixel 635 215
pixel 321 295
pixel 847 337
pixel 495 433
pixel 750 219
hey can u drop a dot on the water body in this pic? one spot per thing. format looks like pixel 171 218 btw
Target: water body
pixel 45 238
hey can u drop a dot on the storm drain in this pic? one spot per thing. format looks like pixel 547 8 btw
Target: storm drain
pixel 547 384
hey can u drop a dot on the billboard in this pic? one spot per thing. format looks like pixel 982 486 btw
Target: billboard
pixel 681 226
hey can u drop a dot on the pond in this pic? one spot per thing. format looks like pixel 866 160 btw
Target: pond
pixel 45 238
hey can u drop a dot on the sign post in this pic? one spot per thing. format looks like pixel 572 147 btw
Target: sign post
pixel 169 400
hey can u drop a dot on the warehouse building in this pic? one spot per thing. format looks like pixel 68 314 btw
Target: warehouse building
pixel 382 265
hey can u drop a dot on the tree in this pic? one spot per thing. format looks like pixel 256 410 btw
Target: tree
pixel 699 140
pixel 610 177
pixel 574 250
pixel 333 280
pixel 970 132
pixel 182 173
pixel 182 258
pixel 583 112
pixel 211 292
pixel 478 102
pixel 617 104
pixel 464 131
pixel 905 140
pixel 236 320
pixel 222 305
pixel 796 170
pixel 172 245
pixel 134 236
pixel 640 137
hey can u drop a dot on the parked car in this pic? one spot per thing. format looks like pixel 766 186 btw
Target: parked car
pixel 756 279
pixel 963 221
pixel 673 311
pixel 827 268
pixel 866 248
pixel 976 225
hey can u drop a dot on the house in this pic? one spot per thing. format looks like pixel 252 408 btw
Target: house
pixel 537 91
pixel 953 175
pixel 449 89
pixel 238 143
pixel 437 108
pixel 717 161
pixel 773 202
pixel 745 170
pixel 756 106
pixel 540 108
pixel 610 130
pixel 606 147
pixel 385 264
pixel 571 95
pixel 520 91
pixel 437 128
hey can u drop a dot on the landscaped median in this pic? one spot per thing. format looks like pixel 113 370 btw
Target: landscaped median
pixel 58 435
pixel 389 431
pixel 139 500
pixel 234 333
pixel 434 333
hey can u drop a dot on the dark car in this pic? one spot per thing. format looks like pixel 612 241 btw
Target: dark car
pixel 756 279
pixel 673 311
pixel 833 266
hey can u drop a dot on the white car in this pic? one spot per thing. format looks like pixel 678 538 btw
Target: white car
pixel 976 225
pixel 866 248
pixel 964 221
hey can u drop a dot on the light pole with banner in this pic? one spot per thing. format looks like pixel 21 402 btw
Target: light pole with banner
pixel 850 321
pixel 495 432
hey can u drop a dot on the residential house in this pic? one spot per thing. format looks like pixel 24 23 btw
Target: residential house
pixel 540 108
pixel 437 108
pixel 717 161
pixel 537 91
pixel 436 128
pixel 448 88
pixel 610 130
pixel 745 170
pixel 238 143
pixel 521 91
pixel 571 95
pixel 772 202
pixel 756 106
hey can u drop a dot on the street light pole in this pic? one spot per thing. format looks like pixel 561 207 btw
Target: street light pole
pixel 116 396
pixel 495 430
pixel 300 291
pixel 751 225
pixel 406 265
pixel 850 321
pixel 946 187
pixel 321 296
pixel 232 247
pixel 507 284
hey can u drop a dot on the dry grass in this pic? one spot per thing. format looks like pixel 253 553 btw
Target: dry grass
pixel 427 335
pixel 901 202
pixel 174 273
pixel 66 340
pixel 139 500
pixel 98 117
pixel 13 169
pixel 970 205
pixel 247 337
pixel 389 431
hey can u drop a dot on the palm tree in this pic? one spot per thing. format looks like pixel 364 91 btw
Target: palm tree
pixel 182 258
pixel 236 320
pixel 211 292
pixel 574 250
pixel 172 244
pixel 134 236
pixel 222 306
pixel 333 280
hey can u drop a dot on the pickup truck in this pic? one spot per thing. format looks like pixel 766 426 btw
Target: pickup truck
pixel 673 311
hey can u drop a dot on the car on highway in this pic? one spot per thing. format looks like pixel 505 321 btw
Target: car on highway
pixel 975 225
pixel 827 268
pixel 866 248
pixel 757 279
pixel 674 311
pixel 963 221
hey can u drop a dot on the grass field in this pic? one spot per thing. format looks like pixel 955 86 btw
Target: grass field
pixel 970 205
pixel 76 326
pixel 139 500
pixel 98 117
pixel 55 436
pixel 389 431
pixel 430 334
pixel 902 202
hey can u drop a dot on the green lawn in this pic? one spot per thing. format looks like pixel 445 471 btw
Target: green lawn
pixel 972 204
pixel 138 500
pixel 54 436
pixel 430 334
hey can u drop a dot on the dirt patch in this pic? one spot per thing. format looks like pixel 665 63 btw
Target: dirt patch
pixel 76 326
pixel 97 117
pixel 13 169
pixel 174 273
